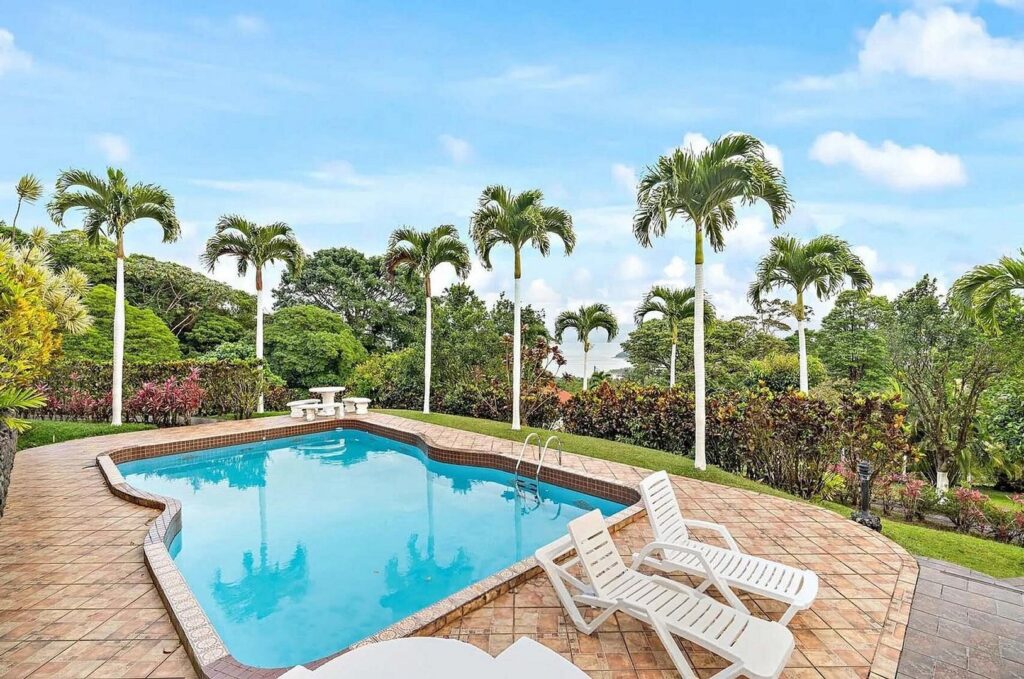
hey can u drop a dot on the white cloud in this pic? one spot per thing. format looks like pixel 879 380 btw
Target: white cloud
pixel 899 167
pixel 1011 4
pixel 12 58
pixel 582 276
pixel 676 268
pixel 538 77
pixel 113 146
pixel 632 268
pixel 868 255
pixel 625 176
pixel 249 23
pixel 612 223
pixel 339 172
pixel 750 235
pixel 541 294
pixel 459 150
pixel 932 43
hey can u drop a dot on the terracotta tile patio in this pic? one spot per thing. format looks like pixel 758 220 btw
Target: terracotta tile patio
pixel 76 599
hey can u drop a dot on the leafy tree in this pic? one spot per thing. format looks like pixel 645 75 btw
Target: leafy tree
pixel 311 347
pixel 211 329
pixel 584 321
pixel 823 263
pixel 29 190
pixel 381 311
pixel 769 316
pixel 530 320
pixel 257 246
pixel 702 187
pixel 390 380
pixel 416 254
pixel 468 337
pixel 781 372
pixel 945 364
pixel 981 290
pixel 36 307
pixel 518 220
pixel 148 339
pixel 648 349
pixel 674 307
pixel 110 206
pixel 852 340
pixel 97 260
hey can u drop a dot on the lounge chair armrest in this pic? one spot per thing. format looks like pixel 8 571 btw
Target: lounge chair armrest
pixel 717 528
pixel 652 547
pixel 709 573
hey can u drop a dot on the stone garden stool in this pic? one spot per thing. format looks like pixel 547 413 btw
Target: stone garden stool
pixel 358 405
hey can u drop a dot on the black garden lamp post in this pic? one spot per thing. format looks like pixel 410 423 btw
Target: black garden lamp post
pixel 863 514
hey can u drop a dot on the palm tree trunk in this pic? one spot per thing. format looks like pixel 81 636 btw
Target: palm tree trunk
pixel 672 367
pixel 14 222
pixel 699 459
pixel 259 328
pixel 428 358
pixel 584 369
pixel 517 353
pixel 803 342
pixel 115 400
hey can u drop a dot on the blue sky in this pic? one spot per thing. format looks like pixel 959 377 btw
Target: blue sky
pixel 899 125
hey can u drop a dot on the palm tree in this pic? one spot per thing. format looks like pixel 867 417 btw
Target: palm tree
pixel 824 262
pixel 675 306
pixel 29 190
pixel 702 187
pixel 419 253
pixel 256 246
pixel 517 220
pixel 978 293
pixel 585 320
pixel 110 206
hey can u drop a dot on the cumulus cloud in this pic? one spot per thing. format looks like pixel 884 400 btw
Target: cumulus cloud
pixel 624 176
pixel 932 43
pixel 905 168
pixel 459 150
pixel 11 58
pixel 676 268
pixel 632 268
pixel 114 147
pixel 540 293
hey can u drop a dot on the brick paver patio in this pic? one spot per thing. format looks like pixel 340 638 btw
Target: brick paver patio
pixel 77 601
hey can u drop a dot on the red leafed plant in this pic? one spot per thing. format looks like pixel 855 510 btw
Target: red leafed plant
pixel 167 403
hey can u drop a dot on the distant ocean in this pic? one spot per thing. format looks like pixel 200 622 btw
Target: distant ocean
pixel 601 357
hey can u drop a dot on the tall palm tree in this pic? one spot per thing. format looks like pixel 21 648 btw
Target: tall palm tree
pixel 978 292
pixel 585 320
pixel 257 246
pixel 675 306
pixel 419 253
pixel 702 187
pixel 823 263
pixel 110 206
pixel 29 190
pixel 517 220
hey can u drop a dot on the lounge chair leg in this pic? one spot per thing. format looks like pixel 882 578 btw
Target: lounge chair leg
pixel 788 616
pixel 679 658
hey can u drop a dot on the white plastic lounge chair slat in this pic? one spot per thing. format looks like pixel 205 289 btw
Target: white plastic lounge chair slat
pixel 734 569
pixel 755 648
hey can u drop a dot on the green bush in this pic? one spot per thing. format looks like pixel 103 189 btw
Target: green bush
pixel 781 372
pixel 311 347
pixel 147 338
pixel 392 380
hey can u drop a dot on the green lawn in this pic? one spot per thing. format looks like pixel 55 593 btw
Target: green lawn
pixel 996 559
pixel 44 432
pixel 269 413
pixel 1000 498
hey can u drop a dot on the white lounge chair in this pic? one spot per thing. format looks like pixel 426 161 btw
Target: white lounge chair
pixel 756 648
pixel 430 658
pixel 680 553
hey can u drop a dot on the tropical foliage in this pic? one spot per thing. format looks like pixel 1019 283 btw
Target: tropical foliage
pixel 980 291
pixel 517 220
pixel 702 188
pixel 147 337
pixel 584 321
pixel 673 306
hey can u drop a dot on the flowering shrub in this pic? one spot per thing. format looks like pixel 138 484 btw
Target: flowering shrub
pixel 910 496
pixel 963 506
pixel 168 403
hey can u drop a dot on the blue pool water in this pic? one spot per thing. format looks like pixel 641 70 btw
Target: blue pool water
pixel 298 547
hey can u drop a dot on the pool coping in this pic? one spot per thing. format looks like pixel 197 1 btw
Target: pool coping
pixel 205 648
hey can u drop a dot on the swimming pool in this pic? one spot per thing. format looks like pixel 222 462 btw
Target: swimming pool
pixel 298 547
